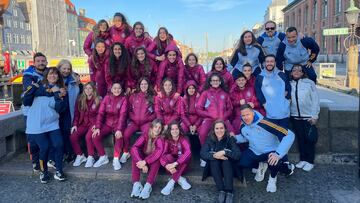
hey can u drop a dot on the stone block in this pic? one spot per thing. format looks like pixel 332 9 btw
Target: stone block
pixel 2 147
pixel 342 119
pixel 344 140
pixel 323 118
pixel 323 144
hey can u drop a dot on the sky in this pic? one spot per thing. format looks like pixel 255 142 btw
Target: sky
pixel 186 20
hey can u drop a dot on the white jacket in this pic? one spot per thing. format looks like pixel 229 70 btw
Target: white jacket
pixel 304 99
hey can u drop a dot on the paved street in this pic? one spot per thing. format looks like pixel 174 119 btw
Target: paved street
pixel 337 100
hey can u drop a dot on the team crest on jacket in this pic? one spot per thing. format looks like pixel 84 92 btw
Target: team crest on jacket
pixel 118 105
pixel 171 102
pixel 222 96
pixel 93 106
pixel 123 35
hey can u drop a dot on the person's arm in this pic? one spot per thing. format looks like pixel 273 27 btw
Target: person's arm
pixel 186 151
pixel 92 69
pixel 259 94
pixel 310 44
pixel 101 113
pixel 260 40
pixel 205 152
pixel 261 56
pixel 136 148
pixel 88 43
pixel 234 59
pixel 315 103
pixel 160 74
pixel 108 79
pixel 184 117
pixel 123 116
pixel 151 49
pixel 287 85
pixel 201 105
pixel 202 79
pixel 280 58
pixel 156 154
pixel 77 113
pixel 233 150
pixel 158 110
pixel 180 76
pixel 229 108
pixel 60 103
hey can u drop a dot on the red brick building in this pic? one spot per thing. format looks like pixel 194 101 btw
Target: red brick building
pixel 312 16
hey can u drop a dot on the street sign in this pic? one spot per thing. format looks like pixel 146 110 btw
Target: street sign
pixel 5 108
pixel 21 64
pixel 336 31
pixel 327 70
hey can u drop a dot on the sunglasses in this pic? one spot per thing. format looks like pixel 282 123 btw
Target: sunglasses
pixel 270 28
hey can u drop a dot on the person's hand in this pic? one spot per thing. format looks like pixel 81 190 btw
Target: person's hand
pixel 312 121
pixel 176 95
pixel 55 89
pixel 219 154
pixel 96 132
pixel 232 134
pixel 242 101
pixel 160 58
pixel 73 129
pixel 145 169
pixel 251 104
pixel 118 134
pixel 308 64
pixel 62 92
pixel 141 164
pixel 273 159
pixel 93 128
pixel 128 90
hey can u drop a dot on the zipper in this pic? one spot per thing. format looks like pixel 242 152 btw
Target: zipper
pixel 297 98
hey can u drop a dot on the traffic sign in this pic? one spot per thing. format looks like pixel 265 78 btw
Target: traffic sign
pixel 336 31
pixel 21 64
pixel 5 108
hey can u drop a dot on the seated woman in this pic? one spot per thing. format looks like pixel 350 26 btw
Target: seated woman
pixel 221 153
pixel 176 157
pixel 146 154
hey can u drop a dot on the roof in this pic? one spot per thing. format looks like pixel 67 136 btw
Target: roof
pixel 88 20
pixel 291 5
pixel 72 7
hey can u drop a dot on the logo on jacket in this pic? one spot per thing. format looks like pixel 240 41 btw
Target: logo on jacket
pixel 118 106
pixel 123 35
pixel 222 97
pixel 93 106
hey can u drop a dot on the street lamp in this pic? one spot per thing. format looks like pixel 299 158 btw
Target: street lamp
pixel 351 45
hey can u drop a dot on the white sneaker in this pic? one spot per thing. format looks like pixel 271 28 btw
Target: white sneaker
pixel 79 160
pixel 183 183
pixel 168 187
pixel 260 173
pixel 102 161
pixel 254 170
pixel 308 167
pixel 136 190
pixel 271 186
pixel 145 192
pixel 202 163
pixel 124 157
pixel 51 164
pixel 89 162
pixel 301 164
pixel 116 164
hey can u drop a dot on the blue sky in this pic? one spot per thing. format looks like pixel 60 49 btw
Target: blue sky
pixel 187 20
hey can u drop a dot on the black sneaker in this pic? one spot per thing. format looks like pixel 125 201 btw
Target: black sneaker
pixel 59 176
pixel 44 177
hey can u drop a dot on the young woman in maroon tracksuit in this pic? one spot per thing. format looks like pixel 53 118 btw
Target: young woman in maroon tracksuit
pixel 176 157
pixel 214 104
pixel 120 30
pixel 250 78
pixel 146 154
pixel 137 39
pixel 167 106
pixel 111 119
pixel 98 62
pixel 141 66
pixel 194 71
pixel 219 66
pixel 242 94
pixel 172 67
pixel 157 48
pixel 119 63
pixel 190 121
pixel 100 31
pixel 141 113
pixel 86 109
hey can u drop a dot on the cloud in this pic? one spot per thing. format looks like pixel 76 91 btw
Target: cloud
pixel 213 5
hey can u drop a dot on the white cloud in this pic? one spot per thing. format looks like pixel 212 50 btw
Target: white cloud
pixel 213 5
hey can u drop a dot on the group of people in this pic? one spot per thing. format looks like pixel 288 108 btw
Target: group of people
pixel 140 84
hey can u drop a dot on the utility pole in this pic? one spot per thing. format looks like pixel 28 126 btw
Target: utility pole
pixel 207 51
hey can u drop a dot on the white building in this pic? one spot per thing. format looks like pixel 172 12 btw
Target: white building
pixel 274 13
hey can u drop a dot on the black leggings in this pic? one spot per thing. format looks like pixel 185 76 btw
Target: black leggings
pixel 306 147
pixel 222 172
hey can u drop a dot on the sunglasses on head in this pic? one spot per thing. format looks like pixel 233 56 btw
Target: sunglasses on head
pixel 270 28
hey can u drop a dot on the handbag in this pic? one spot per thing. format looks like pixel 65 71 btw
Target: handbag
pixel 312 136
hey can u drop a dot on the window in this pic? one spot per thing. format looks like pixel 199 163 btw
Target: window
pixel 337 44
pixel 325 9
pixel 15 12
pixel 28 40
pixel 315 10
pixel 299 19
pixel 22 39
pixel 8 22
pixel 324 44
pixel 8 38
pixel 15 24
pixel 27 26
pixel 22 25
pixel 306 14
pixel 338 6
pixel 16 39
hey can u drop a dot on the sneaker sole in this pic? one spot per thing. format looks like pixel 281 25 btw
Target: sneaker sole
pixel 101 164
pixel 58 178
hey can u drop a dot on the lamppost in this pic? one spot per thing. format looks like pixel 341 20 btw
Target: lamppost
pixel 351 43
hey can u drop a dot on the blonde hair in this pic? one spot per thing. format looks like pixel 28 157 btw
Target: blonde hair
pixel 82 98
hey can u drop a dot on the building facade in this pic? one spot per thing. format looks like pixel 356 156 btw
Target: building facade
pixel 274 12
pixel 16 33
pixel 311 17
pixel 73 29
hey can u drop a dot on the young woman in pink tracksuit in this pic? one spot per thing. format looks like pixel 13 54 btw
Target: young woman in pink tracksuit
pixel 157 48
pixel 194 71
pixel 167 106
pixel 137 39
pixel 86 109
pixel 219 66
pixel 141 113
pixel 98 62
pixel 242 94
pixel 111 119
pixel 119 63
pixel 120 30
pixel 172 67
pixel 190 121
pixel 214 104
pixel 141 66
pixel 146 154
pixel 176 157
pixel 100 31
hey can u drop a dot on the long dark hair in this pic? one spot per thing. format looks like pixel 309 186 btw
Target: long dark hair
pixel 135 63
pixel 212 131
pixel 59 82
pixel 158 41
pixel 223 86
pixel 167 133
pixel 187 59
pixel 95 54
pixel 150 92
pixel 216 60
pixel 188 96
pixel 96 28
pixel 142 26
pixel 241 45
pixel 124 22
pixel 118 66
pixel 162 86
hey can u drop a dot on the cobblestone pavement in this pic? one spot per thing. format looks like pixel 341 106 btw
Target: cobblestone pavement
pixel 326 183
